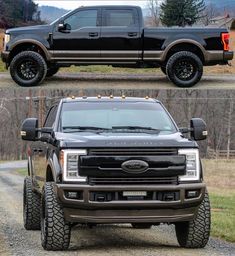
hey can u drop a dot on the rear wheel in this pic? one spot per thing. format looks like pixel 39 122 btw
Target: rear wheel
pixel 28 69
pixel 51 71
pixel 31 206
pixel 184 69
pixel 141 225
pixel 55 232
pixel 196 233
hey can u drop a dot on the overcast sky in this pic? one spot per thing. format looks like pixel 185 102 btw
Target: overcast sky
pixel 67 4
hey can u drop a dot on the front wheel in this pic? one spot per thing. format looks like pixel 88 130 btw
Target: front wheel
pixel 28 68
pixel 55 231
pixel 184 69
pixel 196 233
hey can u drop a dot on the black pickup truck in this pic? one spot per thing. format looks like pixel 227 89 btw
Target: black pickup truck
pixel 114 160
pixel 112 35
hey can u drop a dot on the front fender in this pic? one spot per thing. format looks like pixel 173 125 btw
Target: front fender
pixel 54 164
pixel 31 39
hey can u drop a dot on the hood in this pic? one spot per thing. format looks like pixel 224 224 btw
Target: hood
pixel 120 140
pixel 29 29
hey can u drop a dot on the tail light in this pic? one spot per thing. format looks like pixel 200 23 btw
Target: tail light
pixel 225 40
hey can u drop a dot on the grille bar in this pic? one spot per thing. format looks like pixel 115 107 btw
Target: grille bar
pixel 133 151
pixel 134 181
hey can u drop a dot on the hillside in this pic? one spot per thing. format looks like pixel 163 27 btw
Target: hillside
pixel 50 13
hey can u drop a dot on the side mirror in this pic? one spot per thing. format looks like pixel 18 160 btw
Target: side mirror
pixel 198 129
pixel 29 129
pixel 64 27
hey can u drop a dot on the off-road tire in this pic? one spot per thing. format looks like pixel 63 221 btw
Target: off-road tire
pixel 38 65
pixel 183 64
pixel 55 232
pixel 51 71
pixel 141 225
pixel 31 206
pixel 196 233
pixel 163 69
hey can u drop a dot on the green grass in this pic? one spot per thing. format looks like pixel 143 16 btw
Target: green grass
pixel 23 172
pixel 223 215
pixel 2 67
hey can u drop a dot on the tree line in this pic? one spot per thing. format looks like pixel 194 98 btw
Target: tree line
pixel 18 12
pixel 216 107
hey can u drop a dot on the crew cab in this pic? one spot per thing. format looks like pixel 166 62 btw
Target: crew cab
pixel 114 160
pixel 113 35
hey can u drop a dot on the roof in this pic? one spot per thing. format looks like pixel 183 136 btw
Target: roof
pixel 108 99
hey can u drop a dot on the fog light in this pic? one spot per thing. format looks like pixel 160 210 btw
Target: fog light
pixel 192 194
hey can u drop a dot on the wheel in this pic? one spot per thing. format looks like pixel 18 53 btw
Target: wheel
pixel 184 69
pixel 31 206
pixel 55 232
pixel 196 233
pixel 163 69
pixel 52 71
pixel 28 69
pixel 141 225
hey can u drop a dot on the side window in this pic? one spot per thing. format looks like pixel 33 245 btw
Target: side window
pixel 81 19
pixel 120 18
pixel 51 116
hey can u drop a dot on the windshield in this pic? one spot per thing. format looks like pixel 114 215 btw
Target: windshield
pixel 137 117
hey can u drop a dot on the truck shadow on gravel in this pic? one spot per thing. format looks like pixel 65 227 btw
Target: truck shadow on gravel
pixel 120 237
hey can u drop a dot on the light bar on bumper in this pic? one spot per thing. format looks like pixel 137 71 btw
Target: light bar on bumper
pixel 69 161
pixel 192 165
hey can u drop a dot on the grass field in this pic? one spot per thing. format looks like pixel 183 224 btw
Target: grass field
pixel 108 69
pixel 220 178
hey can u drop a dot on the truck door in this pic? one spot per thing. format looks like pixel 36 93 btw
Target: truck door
pixel 120 35
pixel 80 38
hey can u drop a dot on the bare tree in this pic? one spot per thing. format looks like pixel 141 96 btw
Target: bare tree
pixel 153 6
pixel 209 13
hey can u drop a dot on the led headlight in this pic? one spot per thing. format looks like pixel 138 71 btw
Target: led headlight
pixel 69 160
pixel 192 165
pixel 7 39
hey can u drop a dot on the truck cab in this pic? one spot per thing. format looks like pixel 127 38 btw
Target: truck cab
pixel 104 160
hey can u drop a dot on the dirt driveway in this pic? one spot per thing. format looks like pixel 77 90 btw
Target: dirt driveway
pixel 114 240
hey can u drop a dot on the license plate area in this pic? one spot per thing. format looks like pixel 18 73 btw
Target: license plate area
pixel 134 193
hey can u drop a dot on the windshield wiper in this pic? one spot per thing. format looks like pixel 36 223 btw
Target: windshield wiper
pixel 136 128
pixel 83 128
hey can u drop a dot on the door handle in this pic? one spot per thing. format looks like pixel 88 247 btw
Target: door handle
pixel 93 34
pixel 132 34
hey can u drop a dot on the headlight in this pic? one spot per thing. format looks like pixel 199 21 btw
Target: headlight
pixel 7 39
pixel 192 165
pixel 69 160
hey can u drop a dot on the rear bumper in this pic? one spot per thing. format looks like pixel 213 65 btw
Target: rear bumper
pixel 218 57
pixel 86 210
pixel 228 56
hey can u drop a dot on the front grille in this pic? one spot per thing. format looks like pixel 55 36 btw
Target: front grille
pixel 133 152
pixel 134 181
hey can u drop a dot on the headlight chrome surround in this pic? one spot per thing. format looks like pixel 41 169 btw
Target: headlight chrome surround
pixel 69 162
pixel 192 165
pixel 7 39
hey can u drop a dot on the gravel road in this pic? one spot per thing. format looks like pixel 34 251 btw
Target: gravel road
pixel 103 240
pixel 120 81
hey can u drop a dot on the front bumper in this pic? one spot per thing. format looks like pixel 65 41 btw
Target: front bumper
pixel 5 56
pixel 86 210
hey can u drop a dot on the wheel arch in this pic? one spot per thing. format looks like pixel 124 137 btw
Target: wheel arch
pixel 185 45
pixel 29 45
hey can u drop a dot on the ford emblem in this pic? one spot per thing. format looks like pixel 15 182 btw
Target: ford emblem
pixel 135 166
